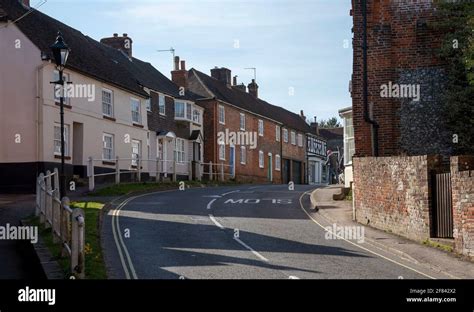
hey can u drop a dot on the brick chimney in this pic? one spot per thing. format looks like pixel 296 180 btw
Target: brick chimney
pixel 222 74
pixel 253 88
pixel 302 115
pixel 123 43
pixel 314 126
pixel 179 75
pixel 240 87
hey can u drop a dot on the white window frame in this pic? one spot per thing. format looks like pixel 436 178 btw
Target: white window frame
pixel 111 104
pixel 183 110
pixel 105 147
pixel 162 104
pixel 243 155
pixel 242 121
pixel 285 135
pixel 261 159
pixel 277 162
pixel 138 113
pixel 221 151
pixel 221 114
pixel 293 137
pixel 197 116
pixel 277 133
pixel 300 140
pixel 180 150
pixel 139 154
pixel 57 141
pixel 348 152
pixel 260 127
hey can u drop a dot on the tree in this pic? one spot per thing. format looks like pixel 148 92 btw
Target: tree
pixel 332 122
pixel 457 51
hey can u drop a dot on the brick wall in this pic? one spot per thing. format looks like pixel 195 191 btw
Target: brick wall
pixel 401 48
pixel 392 193
pixel 250 171
pixel 157 122
pixel 462 180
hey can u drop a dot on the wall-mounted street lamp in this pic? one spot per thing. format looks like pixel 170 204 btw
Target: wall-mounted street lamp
pixel 60 53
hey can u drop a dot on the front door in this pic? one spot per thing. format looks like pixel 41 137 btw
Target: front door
pixel 232 161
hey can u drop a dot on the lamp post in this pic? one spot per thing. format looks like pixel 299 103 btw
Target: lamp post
pixel 60 54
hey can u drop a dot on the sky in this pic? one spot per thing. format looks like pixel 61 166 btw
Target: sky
pixel 301 48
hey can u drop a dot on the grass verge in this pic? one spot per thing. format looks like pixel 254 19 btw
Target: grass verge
pixel 95 266
pixel 438 245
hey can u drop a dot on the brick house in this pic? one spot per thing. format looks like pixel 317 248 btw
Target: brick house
pixel 174 119
pixel 404 180
pixel 278 154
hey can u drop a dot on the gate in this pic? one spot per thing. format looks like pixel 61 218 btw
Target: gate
pixel 442 205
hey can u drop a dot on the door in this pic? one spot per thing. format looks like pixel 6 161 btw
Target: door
pixel 270 168
pixel 78 149
pixel 442 223
pixel 297 172
pixel 286 171
pixel 232 161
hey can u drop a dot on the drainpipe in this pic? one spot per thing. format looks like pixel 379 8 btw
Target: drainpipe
pixel 373 123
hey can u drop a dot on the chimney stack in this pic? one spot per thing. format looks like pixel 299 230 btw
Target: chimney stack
pixel 240 87
pixel 314 126
pixel 123 43
pixel 234 83
pixel 222 74
pixel 179 75
pixel 253 88
pixel 302 115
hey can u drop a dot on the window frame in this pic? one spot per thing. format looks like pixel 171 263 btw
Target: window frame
pixel 243 155
pixel 277 162
pixel 242 122
pixel 261 159
pixel 260 127
pixel 220 109
pixel 285 135
pixel 111 104
pixel 139 114
pixel 66 139
pixel 104 147
pixel 221 151
pixel 161 104
pixel 293 137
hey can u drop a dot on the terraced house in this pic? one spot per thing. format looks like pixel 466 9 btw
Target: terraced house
pixel 252 139
pixel 106 113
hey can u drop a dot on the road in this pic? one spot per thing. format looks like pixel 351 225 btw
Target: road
pixel 239 232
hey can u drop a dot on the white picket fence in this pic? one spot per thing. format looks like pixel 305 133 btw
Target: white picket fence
pixel 68 225
pixel 215 171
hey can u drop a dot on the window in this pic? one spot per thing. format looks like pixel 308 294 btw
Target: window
pixel 148 105
pixel 107 103
pixel 300 140
pixel 108 149
pixel 57 88
pixel 285 135
pixel 243 155
pixel 349 147
pixel 242 121
pixel 197 116
pixel 136 148
pixel 221 151
pixel 135 103
pixel 161 104
pixel 277 133
pixel 277 162
pixel 179 109
pixel 293 138
pixel 260 159
pixel 221 115
pixel 57 139
pixel 189 108
pixel 179 154
pixel 159 147
pixel 260 127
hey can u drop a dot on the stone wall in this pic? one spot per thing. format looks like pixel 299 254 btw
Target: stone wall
pixel 462 180
pixel 392 193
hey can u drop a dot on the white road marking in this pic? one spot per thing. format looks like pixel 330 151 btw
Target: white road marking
pixel 209 204
pixel 251 249
pixel 118 237
pixel 357 245
pixel 230 193
pixel 293 277
pixel 216 222
pixel 212 196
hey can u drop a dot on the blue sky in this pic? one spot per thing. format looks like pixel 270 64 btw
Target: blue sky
pixel 302 46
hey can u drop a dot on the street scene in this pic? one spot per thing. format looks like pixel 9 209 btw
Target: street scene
pixel 159 140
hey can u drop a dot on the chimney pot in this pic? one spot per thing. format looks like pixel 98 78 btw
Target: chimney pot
pixel 235 80
pixel 253 88
pixel 125 35
pixel 115 35
pixel 183 65
pixel 176 63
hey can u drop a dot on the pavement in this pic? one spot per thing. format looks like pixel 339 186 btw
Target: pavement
pixel 17 258
pixel 251 232
pixel 445 264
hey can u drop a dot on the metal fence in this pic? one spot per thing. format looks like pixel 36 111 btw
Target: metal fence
pixel 67 225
